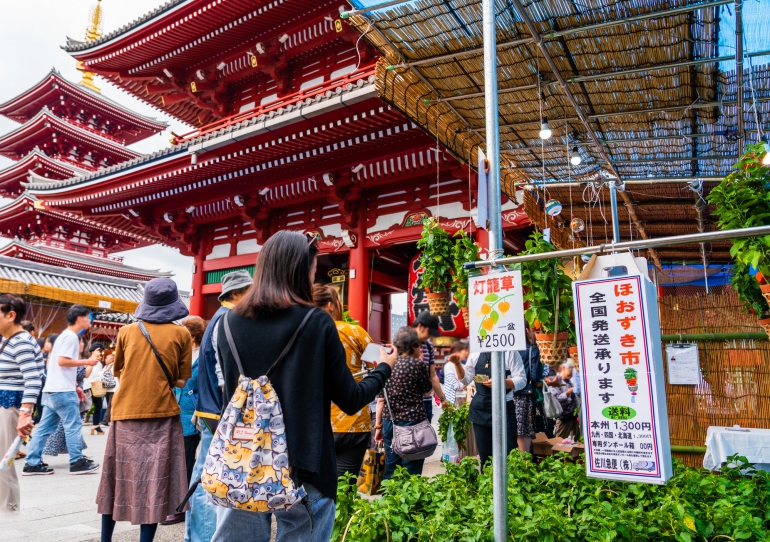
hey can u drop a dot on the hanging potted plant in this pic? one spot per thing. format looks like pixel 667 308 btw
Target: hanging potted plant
pixel 436 264
pixel 463 251
pixel 750 294
pixel 742 200
pixel 548 290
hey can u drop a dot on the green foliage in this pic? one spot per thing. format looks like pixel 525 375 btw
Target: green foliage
pixel 742 200
pixel 349 319
pixel 436 257
pixel 463 251
pixel 556 502
pixel 749 292
pixel 457 417
pixel 542 280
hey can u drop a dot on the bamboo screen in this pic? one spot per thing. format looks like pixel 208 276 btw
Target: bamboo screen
pixel 736 374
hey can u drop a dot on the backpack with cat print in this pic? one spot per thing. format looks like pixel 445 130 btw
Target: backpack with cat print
pixel 247 466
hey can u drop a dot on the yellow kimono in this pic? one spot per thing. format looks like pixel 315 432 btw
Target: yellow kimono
pixel 354 339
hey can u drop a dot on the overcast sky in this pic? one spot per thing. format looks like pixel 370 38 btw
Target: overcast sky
pixel 31 42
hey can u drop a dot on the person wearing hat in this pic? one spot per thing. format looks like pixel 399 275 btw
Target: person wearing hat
pixel 201 520
pixel 152 357
pixel 426 326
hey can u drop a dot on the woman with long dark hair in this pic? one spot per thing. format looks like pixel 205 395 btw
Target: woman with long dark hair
pixel 311 376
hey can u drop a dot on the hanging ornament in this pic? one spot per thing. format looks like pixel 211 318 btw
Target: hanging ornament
pixel 585 257
pixel 553 207
pixel 577 225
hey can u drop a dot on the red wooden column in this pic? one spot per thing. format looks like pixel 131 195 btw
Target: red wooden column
pixel 196 299
pixel 360 264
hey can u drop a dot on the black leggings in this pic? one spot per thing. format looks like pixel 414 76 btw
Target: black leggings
pixel 483 435
pixel 98 403
pixel 350 449
pixel 146 532
pixel 190 447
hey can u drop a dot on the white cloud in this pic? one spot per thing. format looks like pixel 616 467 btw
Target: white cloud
pixel 31 43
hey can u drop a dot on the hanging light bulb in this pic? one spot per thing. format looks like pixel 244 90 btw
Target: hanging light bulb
pixel 545 130
pixel 574 157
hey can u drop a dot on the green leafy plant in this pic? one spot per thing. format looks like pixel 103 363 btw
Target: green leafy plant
pixel 749 292
pixel 463 251
pixel 436 257
pixel 742 200
pixel 349 319
pixel 457 417
pixel 555 501
pixel 543 280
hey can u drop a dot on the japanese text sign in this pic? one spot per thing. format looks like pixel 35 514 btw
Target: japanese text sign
pixel 496 307
pixel 625 421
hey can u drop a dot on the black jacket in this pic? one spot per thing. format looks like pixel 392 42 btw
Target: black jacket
pixel 312 375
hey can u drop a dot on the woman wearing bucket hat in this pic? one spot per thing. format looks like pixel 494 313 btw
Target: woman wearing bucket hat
pixel 152 357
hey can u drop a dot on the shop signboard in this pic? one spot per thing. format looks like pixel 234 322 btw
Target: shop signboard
pixel 496 307
pixel 624 417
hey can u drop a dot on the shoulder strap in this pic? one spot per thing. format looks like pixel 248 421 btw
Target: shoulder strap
pixel 9 340
pixel 287 348
pixel 157 354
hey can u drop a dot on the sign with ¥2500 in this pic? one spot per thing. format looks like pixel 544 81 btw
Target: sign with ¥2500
pixel 496 308
pixel 624 417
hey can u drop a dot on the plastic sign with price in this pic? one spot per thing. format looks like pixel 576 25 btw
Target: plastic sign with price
pixel 496 308
pixel 624 416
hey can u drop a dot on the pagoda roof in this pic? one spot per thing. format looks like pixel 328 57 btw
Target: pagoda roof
pixel 232 132
pixel 48 92
pixel 41 128
pixel 19 172
pixel 70 259
pixel 27 212
pixel 193 59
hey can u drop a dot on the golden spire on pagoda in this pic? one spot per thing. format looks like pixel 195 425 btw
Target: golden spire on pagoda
pixel 93 32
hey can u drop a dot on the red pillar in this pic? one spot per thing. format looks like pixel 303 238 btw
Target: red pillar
pixel 482 237
pixel 360 273
pixel 196 299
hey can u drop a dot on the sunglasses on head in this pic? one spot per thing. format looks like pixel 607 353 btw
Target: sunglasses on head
pixel 312 239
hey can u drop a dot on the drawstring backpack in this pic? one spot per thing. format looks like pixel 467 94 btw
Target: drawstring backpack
pixel 247 466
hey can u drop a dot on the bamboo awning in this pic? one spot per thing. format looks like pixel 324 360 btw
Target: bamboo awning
pixel 648 75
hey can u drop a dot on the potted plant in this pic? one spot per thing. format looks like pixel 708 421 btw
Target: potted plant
pixel 436 264
pixel 548 290
pixel 742 200
pixel 750 294
pixel 463 251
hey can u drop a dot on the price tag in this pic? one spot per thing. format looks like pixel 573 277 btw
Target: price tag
pixel 496 307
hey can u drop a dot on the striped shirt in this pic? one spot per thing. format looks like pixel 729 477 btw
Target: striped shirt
pixel 21 366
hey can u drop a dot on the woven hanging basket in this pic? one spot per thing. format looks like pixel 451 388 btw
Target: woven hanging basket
pixel 765 291
pixel 438 302
pixel 466 317
pixel 573 353
pixel 549 354
pixel 765 325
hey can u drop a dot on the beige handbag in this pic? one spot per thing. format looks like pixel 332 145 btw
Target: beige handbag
pixel 98 389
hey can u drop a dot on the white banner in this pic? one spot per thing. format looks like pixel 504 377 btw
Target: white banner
pixel 496 308
pixel 625 423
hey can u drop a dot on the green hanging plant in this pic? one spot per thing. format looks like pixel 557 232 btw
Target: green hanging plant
pixel 436 258
pixel 542 280
pixel 463 251
pixel 742 200
pixel 749 292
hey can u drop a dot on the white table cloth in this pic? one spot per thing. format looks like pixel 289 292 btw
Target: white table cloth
pixel 722 442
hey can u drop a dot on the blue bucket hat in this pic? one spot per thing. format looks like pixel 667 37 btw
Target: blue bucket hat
pixel 161 303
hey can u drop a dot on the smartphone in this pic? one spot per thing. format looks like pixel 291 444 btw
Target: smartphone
pixel 372 352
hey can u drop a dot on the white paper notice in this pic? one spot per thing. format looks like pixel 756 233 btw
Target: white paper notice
pixel 496 306
pixel 621 415
pixel 683 364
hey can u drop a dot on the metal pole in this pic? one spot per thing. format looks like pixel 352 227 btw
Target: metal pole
pixel 660 180
pixel 739 71
pixel 615 219
pixel 674 240
pixel 499 425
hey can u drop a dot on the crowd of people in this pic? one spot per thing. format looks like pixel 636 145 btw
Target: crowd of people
pixel 162 393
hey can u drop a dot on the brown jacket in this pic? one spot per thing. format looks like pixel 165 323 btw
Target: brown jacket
pixel 144 390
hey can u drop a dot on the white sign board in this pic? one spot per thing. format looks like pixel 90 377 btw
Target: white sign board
pixel 625 421
pixel 105 304
pixel 683 364
pixel 496 308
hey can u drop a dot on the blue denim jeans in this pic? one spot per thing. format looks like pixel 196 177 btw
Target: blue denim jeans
pixel 201 518
pixel 392 459
pixel 58 406
pixel 293 525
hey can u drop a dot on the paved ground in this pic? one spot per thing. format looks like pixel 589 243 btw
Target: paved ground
pixel 62 507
